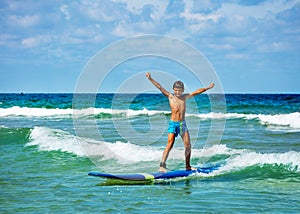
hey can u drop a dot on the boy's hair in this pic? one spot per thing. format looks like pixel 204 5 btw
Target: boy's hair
pixel 178 84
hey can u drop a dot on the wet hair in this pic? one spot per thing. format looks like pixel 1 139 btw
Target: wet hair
pixel 178 84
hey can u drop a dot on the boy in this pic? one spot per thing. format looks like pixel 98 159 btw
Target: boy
pixel 177 124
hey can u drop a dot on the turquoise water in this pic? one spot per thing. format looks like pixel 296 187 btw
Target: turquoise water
pixel 45 156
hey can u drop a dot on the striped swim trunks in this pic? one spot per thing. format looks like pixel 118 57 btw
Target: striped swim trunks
pixel 177 127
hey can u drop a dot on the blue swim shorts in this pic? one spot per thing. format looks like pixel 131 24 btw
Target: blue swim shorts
pixel 177 127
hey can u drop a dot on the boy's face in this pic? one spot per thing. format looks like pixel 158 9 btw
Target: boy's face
pixel 178 91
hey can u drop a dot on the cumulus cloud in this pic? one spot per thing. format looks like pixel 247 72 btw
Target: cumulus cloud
pixel 211 25
pixel 229 32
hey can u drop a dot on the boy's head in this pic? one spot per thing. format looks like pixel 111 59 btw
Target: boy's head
pixel 179 85
pixel 178 88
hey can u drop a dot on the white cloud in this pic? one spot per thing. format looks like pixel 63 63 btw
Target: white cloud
pixel 199 17
pixel 228 33
pixel 236 56
pixel 65 11
pixel 35 41
pixel 122 30
pixel 178 33
pixel 9 40
pixel 221 47
pixel 189 15
pixel 198 21
pixel 258 11
pixel 99 11
pixel 231 18
pixel 23 21
pixel 136 7
pixel 206 6
pixel 273 46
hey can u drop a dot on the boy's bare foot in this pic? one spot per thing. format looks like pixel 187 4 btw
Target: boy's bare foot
pixel 162 169
pixel 191 168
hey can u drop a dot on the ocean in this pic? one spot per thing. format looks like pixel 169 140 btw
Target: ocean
pixel 50 142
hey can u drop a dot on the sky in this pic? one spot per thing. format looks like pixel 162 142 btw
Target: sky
pixel 253 46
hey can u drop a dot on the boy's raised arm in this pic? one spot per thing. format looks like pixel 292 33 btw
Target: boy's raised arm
pixel 157 85
pixel 201 90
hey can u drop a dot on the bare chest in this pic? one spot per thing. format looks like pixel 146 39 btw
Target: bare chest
pixel 176 104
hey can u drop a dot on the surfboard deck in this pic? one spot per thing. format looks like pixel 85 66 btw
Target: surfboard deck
pixel 155 175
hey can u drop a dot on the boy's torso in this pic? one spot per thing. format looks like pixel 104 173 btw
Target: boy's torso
pixel 178 107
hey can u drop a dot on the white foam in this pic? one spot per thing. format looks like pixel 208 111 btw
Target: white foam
pixel 134 153
pixel 291 120
pixel 246 159
pixel 33 112
pixel 54 140
pixel 145 111
pixel 43 112
pixel 47 139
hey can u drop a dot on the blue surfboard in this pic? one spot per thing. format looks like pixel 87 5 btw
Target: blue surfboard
pixel 155 175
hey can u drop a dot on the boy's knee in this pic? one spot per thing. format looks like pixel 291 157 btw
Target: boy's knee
pixel 188 147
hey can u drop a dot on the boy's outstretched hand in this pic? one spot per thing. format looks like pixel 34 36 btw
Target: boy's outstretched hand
pixel 211 85
pixel 148 75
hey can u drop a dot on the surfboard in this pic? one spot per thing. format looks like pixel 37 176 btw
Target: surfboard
pixel 155 175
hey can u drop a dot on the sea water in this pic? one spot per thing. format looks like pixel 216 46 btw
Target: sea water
pixel 49 143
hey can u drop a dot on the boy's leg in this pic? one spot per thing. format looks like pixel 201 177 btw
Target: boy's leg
pixel 171 140
pixel 187 145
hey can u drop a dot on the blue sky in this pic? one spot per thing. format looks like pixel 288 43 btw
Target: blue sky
pixel 254 46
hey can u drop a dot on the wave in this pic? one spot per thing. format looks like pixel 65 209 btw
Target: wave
pixel 291 120
pixel 285 122
pixel 44 112
pixel 131 155
pixel 289 161
pixel 34 112
pixel 11 136
pixel 47 139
